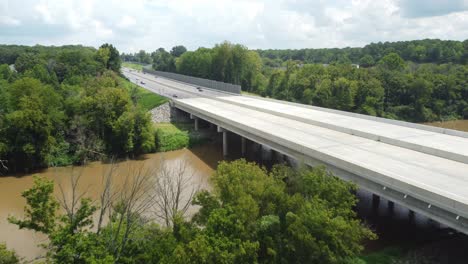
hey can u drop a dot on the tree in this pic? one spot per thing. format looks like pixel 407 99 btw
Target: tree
pixel 5 72
pixel 163 60
pixel 367 61
pixel 8 256
pixel 41 208
pixel 323 93
pixel 26 61
pixel 174 192
pixel 195 63
pixel 114 62
pixel 143 57
pixel 392 62
pixel 177 51
pixel 369 97
pixel 308 220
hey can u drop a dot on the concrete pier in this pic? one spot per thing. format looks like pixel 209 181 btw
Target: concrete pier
pixel 243 146
pixel 375 202
pixel 225 143
pixel 391 207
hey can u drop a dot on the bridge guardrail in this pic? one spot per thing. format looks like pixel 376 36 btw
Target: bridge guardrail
pixel 220 86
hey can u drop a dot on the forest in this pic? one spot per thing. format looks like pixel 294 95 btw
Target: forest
pixel 416 81
pixel 67 105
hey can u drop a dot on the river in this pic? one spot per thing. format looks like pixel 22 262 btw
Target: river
pixel 201 162
pixel 454 124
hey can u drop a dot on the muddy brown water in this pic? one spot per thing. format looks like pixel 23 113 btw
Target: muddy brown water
pixel 455 124
pixel 201 162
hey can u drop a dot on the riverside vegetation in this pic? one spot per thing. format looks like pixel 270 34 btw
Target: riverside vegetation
pixel 67 105
pixel 250 216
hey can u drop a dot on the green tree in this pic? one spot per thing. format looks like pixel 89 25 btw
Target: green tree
pixel 323 93
pixel 343 92
pixel 367 61
pixel 392 62
pixel 114 62
pixel 5 72
pixel 163 60
pixel 308 220
pixel 177 51
pixel 26 61
pixel 41 207
pixel 8 256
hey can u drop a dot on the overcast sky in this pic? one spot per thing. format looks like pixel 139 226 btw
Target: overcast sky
pixel 132 25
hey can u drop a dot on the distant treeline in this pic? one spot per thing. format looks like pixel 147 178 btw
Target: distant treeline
pixel 63 105
pixel 418 51
pixel 418 81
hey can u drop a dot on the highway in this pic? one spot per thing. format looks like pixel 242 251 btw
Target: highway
pixel 423 168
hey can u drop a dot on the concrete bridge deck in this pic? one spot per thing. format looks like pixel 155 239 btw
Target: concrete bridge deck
pixel 422 168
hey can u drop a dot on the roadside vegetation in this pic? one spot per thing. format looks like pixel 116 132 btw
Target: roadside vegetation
pixel 251 216
pixel 145 99
pixel 132 65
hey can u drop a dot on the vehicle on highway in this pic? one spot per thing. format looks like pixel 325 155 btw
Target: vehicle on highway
pixel 175 96
pixel 142 82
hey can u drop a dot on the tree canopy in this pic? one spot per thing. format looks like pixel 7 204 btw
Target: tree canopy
pixel 64 105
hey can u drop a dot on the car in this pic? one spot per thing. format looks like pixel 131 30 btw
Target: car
pixel 142 82
pixel 175 96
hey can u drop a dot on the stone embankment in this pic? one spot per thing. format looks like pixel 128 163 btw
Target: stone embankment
pixel 161 114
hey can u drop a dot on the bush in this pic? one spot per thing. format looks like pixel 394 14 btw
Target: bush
pixel 7 256
pixel 169 137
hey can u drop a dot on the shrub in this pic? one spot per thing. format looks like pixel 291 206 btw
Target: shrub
pixel 169 137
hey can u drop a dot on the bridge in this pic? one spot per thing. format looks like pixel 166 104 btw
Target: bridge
pixel 420 167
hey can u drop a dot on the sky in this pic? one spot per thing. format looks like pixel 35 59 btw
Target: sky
pixel 132 25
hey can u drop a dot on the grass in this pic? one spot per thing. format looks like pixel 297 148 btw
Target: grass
pixel 173 136
pixel 134 66
pixel 385 256
pixel 249 93
pixel 169 137
pixel 146 99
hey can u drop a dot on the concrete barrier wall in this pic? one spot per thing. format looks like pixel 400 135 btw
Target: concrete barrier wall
pixel 220 86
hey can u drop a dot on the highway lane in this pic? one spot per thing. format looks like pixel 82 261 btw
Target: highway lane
pixel 168 88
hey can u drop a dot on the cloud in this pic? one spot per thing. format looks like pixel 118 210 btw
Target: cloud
pixel 150 24
pixel 9 21
pixel 126 22
pixel 429 8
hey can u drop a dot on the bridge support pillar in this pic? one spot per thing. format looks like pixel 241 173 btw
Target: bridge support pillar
pixel 196 123
pixel 243 146
pixel 411 216
pixel 375 202
pixel 390 207
pixel 225 143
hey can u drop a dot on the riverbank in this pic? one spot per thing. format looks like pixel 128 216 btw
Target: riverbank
pixel 461 125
